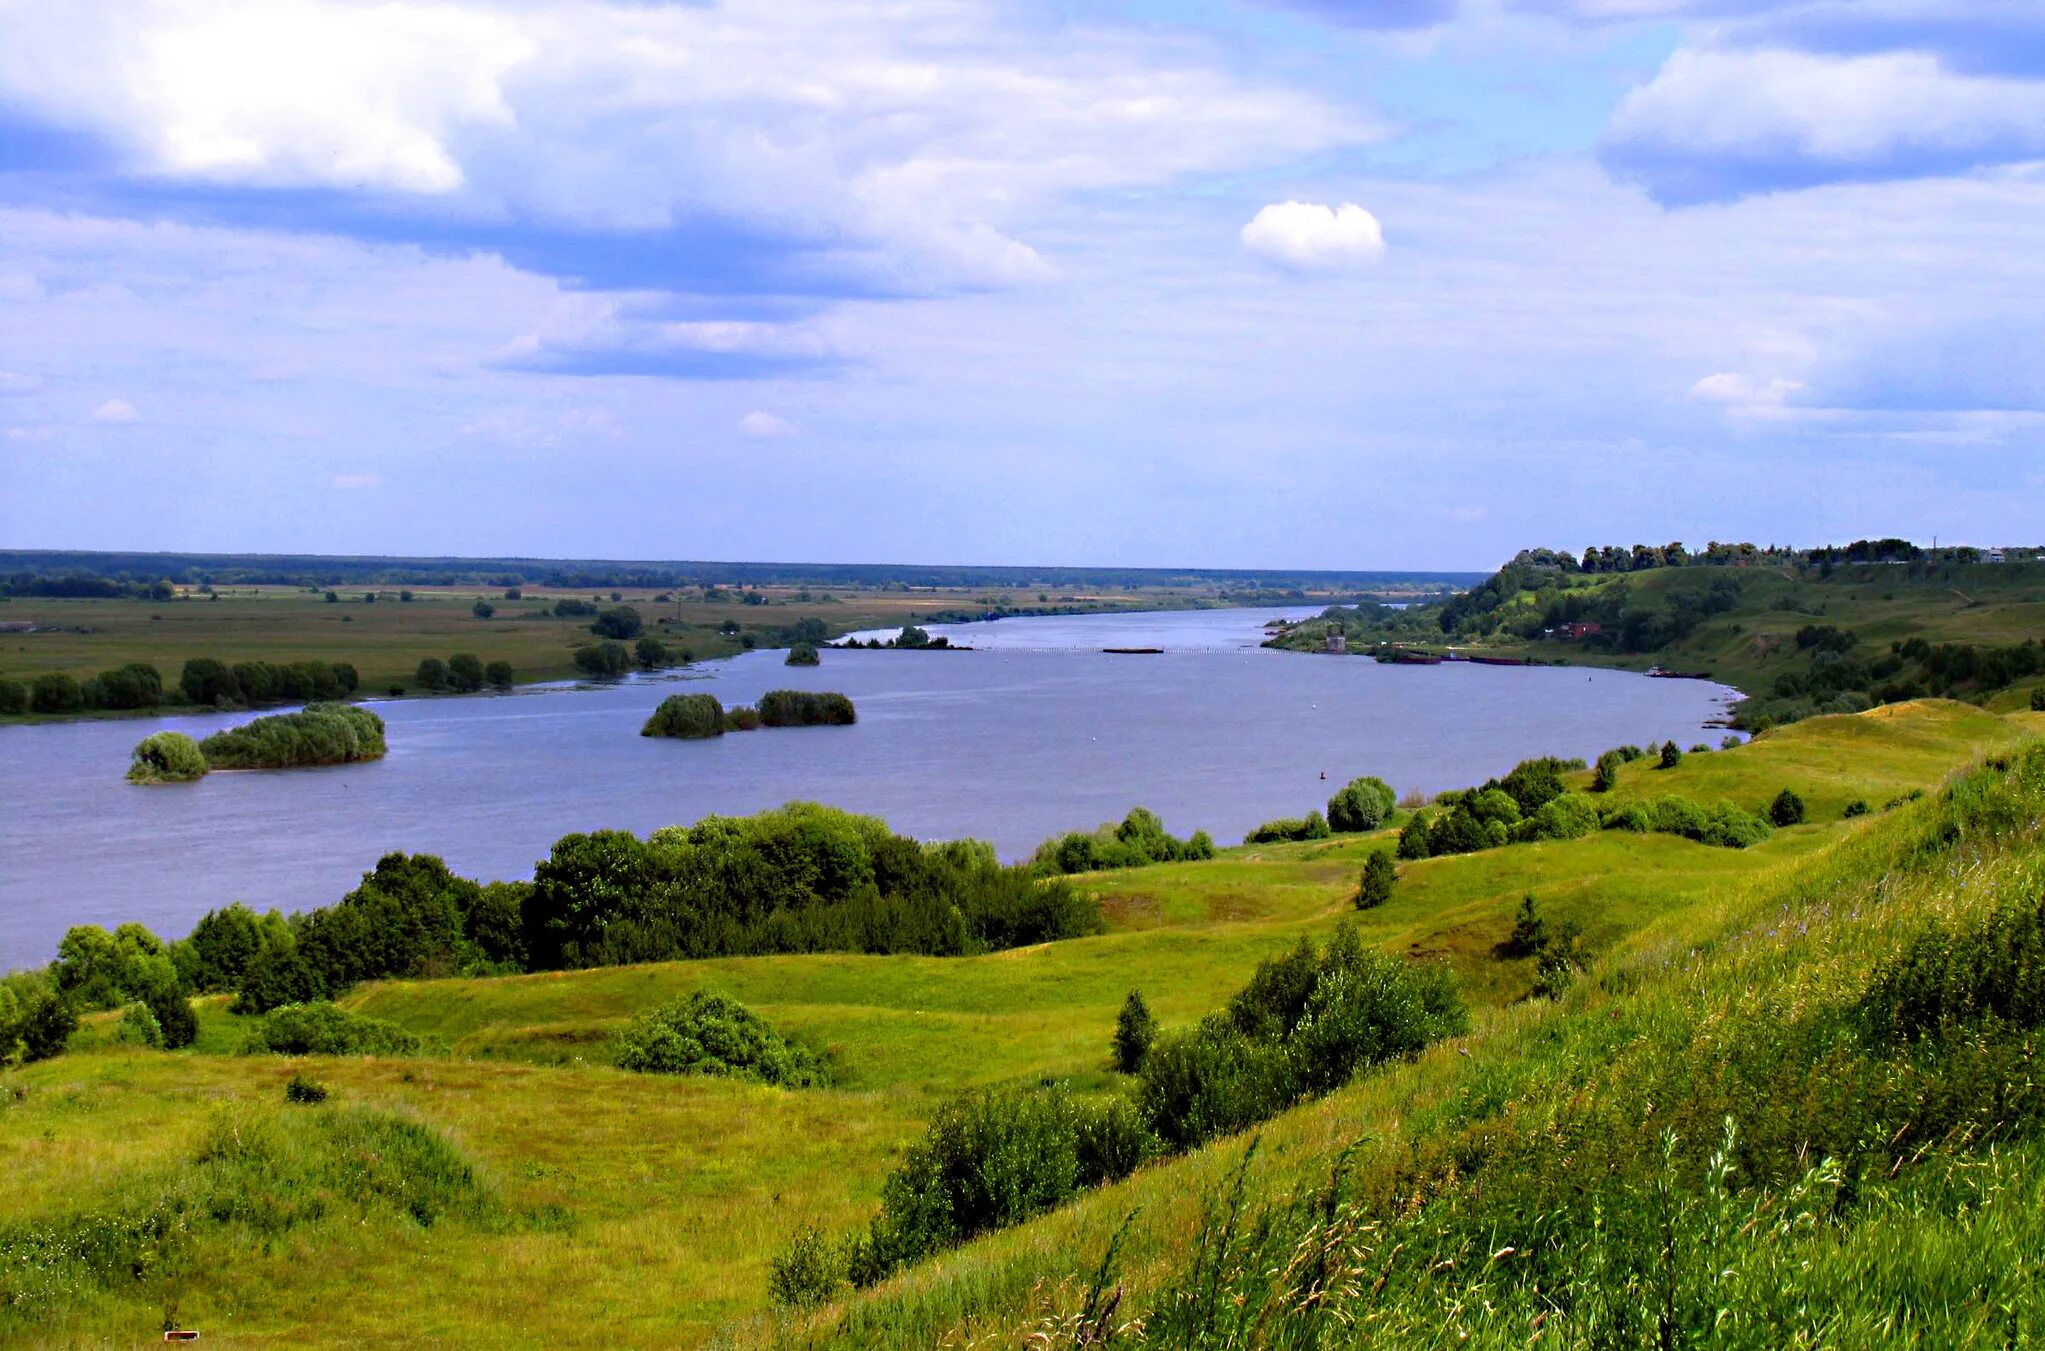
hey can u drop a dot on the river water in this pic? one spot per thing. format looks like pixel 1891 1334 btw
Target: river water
pixel 1034 732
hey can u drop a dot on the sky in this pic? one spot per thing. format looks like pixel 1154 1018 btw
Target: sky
pixel 1222 283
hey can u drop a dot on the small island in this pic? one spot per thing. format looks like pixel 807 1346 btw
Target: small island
pixel 695 716
pixel 318 734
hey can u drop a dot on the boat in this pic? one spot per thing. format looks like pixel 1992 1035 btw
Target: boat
pixel 1135 651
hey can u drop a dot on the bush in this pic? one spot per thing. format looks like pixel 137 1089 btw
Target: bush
pixel 1362 805
pixel 172 1013
pixel 2038 700
pixel 622 622
pixel 687 716
pixel 56 693
pixel 303 1091
pixel 1857 807
pixel 1211 1081
pixel 322 1029
pixel 319 734
pixel 42 1030
pixel 1414 841
pixel 1135 1029
pixel 1991 971
pixel 1787 809
pixel 13 696
pixel 139 1027
pixel 1312 826
pixel 1568 816
pixel 431 674
pixel 802 654
pixel 1379 876
pixel 709 1034
pixel 602 660
pixel 1606 777
pixel 807 1272
pixel 1672 755
pixel 167 757
pixel 806 708
pixel 465 672
pixel 743 718
pixel 1140 839
pixel 650 652
pixel 1529 930
pixel 498 675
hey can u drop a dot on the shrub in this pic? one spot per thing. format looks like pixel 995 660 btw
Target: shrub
pixel 709 1034
pixel 1729 827
pixel 13 696
pixel 44 1029
pixel 602 660
pixel 172 1012
pixel 431 674
pixel 1606 777
pixel 1672 755
pixel 1380 874
pixel 139 1027
pixel 1529 930
pixel 482 609
pixel 322 1029
pixel 802 654
pixel 743 718
pixel 303 1091
pixel 465 672
pixel 650 652
pixel 1362 805
pixel 2038 700
pixel 686 715
pixel 1989 971
pixel 1787 809
pixel 1568 816
pixel 807 1272
pixel 1857 807
pixel 498 675
pixel 1211 1081
pixel 1312 826
pixel 167 757
pixel 1135 1029
pixel 621 622
pixel 1634 816
pixel 318 734
pixel 806 708
pixel 56 693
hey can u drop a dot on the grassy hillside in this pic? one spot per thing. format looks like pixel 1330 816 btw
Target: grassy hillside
pixel 575 1204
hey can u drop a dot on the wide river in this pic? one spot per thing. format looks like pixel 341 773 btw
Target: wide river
pixel 1034 732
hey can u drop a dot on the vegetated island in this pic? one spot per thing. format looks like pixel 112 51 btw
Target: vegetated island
pixel 695 716
pixel 1798 631
pixel 318 734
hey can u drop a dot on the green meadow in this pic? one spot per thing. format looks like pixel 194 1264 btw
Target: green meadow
pixel 509 1186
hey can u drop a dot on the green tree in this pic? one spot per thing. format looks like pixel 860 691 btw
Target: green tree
pixel 56 693
pixel 465 672
pixel 802 654
pixel 498 675
pixel 651 652
pixel 13 697
pixel 620 622
pixel 603 659
pixel 1606 777
pixel 1362 805
pixel 167 757
pixel 1135 1029
pixel 1414 840
pixel 482 609
pixel 1529 930
pixel 1787 809
pixel 207 681
pixel 431 675
pixel 1379 876
pixel 1672 755
pixel 911 636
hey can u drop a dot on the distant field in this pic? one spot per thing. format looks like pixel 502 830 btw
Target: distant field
pixel 640 1209
pixel 386 639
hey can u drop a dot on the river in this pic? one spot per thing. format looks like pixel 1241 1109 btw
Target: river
pixel 1034 732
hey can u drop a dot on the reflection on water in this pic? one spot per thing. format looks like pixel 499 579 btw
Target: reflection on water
pixel 1034 732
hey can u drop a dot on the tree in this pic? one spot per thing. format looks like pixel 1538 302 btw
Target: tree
pixel 651 652
pixel 621 622
pixel 1529 931
pixel 207 681
pixel 911 636
pixel 1672 755
pixel 47 1029
pixel 56 693
pixel 1362 805
pixel 465 672
pixel 1607 776
pixel 603 659
pixel 167 757
pixel 1379 876
pixel 1135 1029
pixel 482 609
pixel 498 675
pixel 1787 809
pixel 802 654
pixel 2038 700
pixel 13 697
pixel 1413 840
pixel 432 674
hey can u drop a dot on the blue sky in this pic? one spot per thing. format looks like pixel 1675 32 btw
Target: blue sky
pixel 1335 283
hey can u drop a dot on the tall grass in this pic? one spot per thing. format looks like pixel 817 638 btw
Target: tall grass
pixel 318 734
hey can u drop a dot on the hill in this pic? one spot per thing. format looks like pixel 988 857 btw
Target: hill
pixel 541 1195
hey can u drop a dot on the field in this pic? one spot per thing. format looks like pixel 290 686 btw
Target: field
pixel 613 1208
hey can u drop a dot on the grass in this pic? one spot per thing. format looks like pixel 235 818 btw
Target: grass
pixel 635 1209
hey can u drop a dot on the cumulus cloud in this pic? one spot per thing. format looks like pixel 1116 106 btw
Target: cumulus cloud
pixel 1745 397
pixel 759 425
pixel 115 411
pixel 921 130
pixel 1313 237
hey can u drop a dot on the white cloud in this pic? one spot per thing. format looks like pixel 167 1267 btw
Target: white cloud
pixel 353 482
pixel 1746 397
pixel 926 128
pixel 115 411
pixel 1720 122
pixel 763 426
pixel 17 382
pixel 1310 236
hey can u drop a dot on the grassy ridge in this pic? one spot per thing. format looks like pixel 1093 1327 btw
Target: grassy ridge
pixel 636 1209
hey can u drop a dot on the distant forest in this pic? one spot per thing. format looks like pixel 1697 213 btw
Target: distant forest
pixel 29 572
